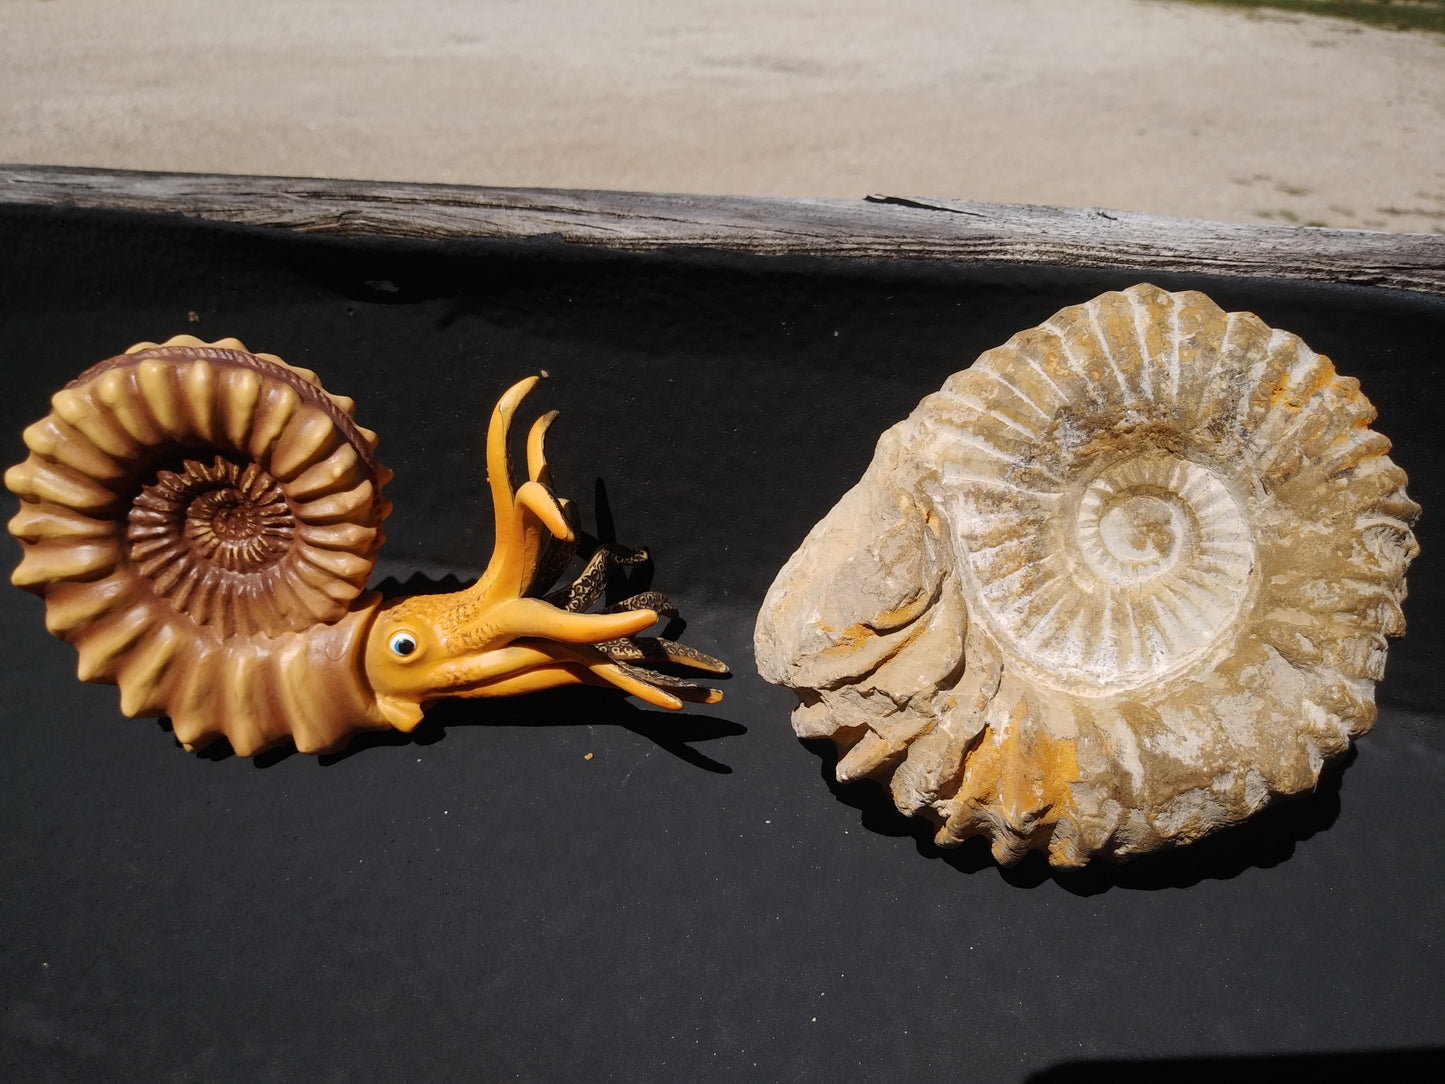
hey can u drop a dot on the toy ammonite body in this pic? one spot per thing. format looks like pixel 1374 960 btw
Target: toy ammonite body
pixel 1113 587
pixel 202 521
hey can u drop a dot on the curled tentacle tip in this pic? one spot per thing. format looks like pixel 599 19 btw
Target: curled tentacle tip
pixel 514 395
pixel 540 501
pixel 536 448
pixel 675 696
pixel 661 699
pixel 602 627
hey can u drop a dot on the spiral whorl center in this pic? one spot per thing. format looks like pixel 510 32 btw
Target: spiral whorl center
pixel 207 536
pixel 235 530
pixel 1133 525
pixel 1166 558
pixel 1137 568
pixel 1142 534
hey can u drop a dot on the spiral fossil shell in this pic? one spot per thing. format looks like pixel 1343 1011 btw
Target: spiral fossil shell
pixel 1111 588
pixel 200 521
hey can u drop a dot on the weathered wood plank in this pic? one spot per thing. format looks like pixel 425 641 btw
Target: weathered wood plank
pixel 880 227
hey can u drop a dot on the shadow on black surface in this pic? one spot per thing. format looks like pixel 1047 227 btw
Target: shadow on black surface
pixel 1265 840
pixel 1352 1065
pixel 219 749
pixel 674 733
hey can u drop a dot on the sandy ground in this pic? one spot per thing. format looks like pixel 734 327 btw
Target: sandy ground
pixel 1149 105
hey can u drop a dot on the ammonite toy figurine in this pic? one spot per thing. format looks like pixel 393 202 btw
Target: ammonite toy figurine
pixel 1113 587
pixel 202 522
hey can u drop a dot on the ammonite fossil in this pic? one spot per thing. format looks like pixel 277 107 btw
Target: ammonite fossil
pixel 202 522
pixel 1113 587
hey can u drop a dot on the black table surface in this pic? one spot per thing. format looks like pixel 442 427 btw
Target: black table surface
pixel 576 886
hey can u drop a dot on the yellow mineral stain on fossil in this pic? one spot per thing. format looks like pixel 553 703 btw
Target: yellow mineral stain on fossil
pixel 1022 770
pixel 849 640
pixel 885 623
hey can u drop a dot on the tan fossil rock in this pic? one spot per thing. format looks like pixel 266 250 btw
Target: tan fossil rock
pixel 1111 588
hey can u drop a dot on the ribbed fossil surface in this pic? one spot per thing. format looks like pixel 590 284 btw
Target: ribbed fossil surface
pixel 1111 588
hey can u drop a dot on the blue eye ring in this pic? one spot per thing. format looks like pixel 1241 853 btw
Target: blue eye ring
pixel 402 644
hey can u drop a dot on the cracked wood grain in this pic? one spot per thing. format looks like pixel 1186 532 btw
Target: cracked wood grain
pixel 879 227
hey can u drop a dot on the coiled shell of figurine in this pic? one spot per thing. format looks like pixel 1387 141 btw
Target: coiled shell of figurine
pixel 201 522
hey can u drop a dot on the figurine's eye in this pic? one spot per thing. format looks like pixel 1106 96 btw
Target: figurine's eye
pixel 402 643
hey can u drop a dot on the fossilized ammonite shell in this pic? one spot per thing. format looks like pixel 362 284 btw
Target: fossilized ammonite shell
pixel 1111 588
pixel 199 520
